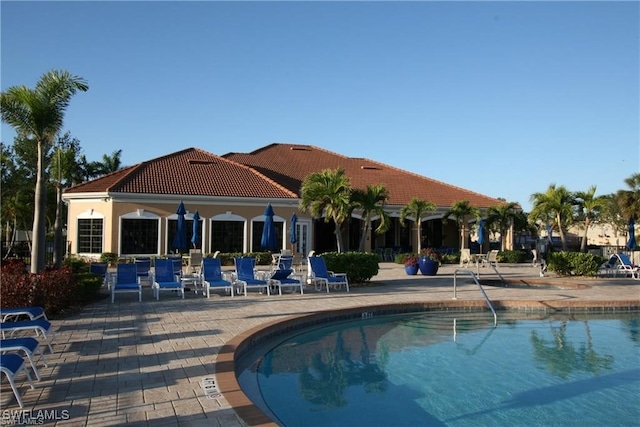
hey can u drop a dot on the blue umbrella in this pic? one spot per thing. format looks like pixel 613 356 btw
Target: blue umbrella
pixel 631 244
pixel 481 233
pixel 195 236
pixel 180 238
pixel 294 236
pixel 268 240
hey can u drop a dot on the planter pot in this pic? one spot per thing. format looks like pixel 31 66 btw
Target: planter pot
pixel 411 270
pixel 427 266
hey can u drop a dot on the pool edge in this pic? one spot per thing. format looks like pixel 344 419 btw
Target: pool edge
pixel 236 347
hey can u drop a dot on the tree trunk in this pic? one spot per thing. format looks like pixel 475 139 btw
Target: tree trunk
pixel 39 231
pixel 363 238
pixel 338 233
pixel 419 231
pixel 58 249
pixel 583 243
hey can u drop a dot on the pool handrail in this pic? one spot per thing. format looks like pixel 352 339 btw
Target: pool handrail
pixel 475 279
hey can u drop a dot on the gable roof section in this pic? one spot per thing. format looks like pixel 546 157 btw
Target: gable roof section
pixel 188 172
pixel 289 164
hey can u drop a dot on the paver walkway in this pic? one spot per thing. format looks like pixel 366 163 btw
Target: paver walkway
pixel 143 363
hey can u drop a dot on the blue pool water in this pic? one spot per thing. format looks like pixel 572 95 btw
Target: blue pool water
pixel 452 369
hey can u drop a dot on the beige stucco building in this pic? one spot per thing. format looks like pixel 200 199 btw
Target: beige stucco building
pixel 132 212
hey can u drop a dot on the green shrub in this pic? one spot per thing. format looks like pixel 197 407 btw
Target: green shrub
pixel 76 264
pixel 89 285
pixel 451 258
pixel 110 258
pixel 359 266
pixel 574 263
pixel 512 257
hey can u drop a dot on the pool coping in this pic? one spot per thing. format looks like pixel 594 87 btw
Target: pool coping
pixel 238 346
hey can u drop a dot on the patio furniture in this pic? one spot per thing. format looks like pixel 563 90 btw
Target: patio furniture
pixel 126 281
pixel 164 279
pixel 319 275
pixel 11 365
pixel 246 276
pixel 38 326
pixel 14 313
pixel 213 278
pixel 101 269
pixel 29 345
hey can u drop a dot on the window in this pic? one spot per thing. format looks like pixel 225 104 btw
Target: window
pixel 227 236
pixel 90 235
pixel 139 236
pixel 257 235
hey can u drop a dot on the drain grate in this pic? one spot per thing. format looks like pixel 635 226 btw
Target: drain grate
pixel 210 388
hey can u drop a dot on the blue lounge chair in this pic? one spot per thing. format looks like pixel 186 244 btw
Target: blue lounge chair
pixel 101 269
pixel 29 345
pixel 126 280
pixel 11 365
pixel 286 278
pixel 245 276
pixel 164 278
pixel 39 327
pixel 319 275
pixel 213 278
pixel 33 313
pixel 627 267
pixel 143 269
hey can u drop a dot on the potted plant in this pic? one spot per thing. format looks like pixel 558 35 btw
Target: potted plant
pixel 410 264
pixel 428 261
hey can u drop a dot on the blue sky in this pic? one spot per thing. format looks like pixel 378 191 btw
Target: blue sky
pixel 501 98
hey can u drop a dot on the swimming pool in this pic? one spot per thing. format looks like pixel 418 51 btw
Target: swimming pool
pixel 452 369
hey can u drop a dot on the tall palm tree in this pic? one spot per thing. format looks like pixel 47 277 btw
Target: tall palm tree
pixel 557 204
pixel 371 202
pixel 38 114
pixel 417 208
pixel 461 210
pixel 327 192
pixel 502 216
pixel 64 172
pixel 590 206
pixel 630 199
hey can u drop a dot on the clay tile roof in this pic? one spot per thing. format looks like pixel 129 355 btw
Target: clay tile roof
pixel 289 164
pixel 188 172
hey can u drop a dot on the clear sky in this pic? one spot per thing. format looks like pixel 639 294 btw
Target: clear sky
pixel 501 98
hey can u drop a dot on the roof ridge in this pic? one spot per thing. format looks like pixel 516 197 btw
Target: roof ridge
pixel 426 177
pixel 261 175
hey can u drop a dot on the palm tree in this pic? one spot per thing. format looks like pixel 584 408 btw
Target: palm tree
pixel 630 199
pixel 461 210
pixel 65 171
pixel 556 204
pixel 590 206
pixel 371 202
pixel 38 114
pixel 502 216
pixel 327 192
pixel 416 208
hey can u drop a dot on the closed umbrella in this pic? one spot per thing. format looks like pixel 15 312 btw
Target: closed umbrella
pixel 268 240
pixel 631 244
pixel 294 236
pixel 481 233
pixel 180 238
pixel 195 237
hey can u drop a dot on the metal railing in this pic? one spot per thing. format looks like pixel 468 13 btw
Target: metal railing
pixel 475 279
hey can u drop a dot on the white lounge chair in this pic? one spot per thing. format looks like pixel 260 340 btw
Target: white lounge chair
pixel 245 276
pixel 29 345
pixel 626 266
pixel 213 277
pixel 11 365
pixel 164 278
pixel 126 280
pixel 319 275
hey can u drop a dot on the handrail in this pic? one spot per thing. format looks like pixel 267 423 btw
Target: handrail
pixel 475 279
